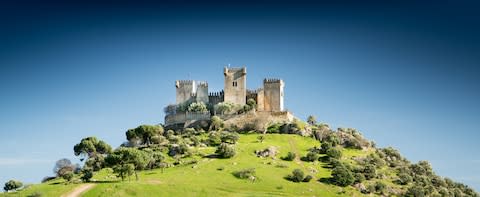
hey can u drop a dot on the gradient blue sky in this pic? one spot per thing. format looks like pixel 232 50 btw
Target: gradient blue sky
pixel 403 73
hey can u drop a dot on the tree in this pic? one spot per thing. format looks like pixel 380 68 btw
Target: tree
pixel 121 158
pixel 144 134
pixel 61 163
pixel 325 147
pixel 252 103
pixel 342 176
pixel 94 150
pixel 68 175
pixel 311 120
pixel 225 150
pixel 290 156
pixel 229 137
pixel 334 153
pixel 312 156
pixel 216 123
pixel 12 185
pixel 297 175
pixel 62 172
pixel 87 174
pixel 124 171
pixel 197 107
pixel 369 171
pixel 224 107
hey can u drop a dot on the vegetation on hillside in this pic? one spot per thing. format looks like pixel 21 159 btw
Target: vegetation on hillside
pixel 308 158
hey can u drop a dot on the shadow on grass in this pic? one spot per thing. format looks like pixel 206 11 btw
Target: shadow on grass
pixel 101 182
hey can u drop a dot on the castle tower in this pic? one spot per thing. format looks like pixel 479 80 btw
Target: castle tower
pixel 235 85
pixel 185 89
pixel 202 91
pixel 273 94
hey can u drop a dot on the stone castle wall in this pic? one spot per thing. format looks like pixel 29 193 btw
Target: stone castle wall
pixel 273 94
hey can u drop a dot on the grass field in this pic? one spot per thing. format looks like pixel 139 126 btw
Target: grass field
pixel 213 177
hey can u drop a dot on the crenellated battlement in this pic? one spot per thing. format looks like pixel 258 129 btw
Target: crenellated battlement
pixel 202 84
pixel 272 80
pixel 181 83
pixel 219 93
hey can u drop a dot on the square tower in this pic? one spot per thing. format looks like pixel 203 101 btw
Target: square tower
pixel 235 85
pixel 273 94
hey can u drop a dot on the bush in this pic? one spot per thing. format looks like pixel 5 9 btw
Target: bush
pixel 225 150
pixel 325 147
pixel 12 185
pixel 359 177
pixel 342 176
pixel 87 174
pixel 290 156
pixel 296 176
pixel 197 107
pixel 312 156
pixel 415 191
pixel 68 176
pixel 229 137
pixel 404 179
pixel 245 173
pixel 307 178
pixel 380 187
pixel 334 153
pixel 369 171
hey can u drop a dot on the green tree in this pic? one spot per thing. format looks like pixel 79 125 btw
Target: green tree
pixel 229 137
pixel 144 134
pixel 68 176
pixel 334 153
pixel 61 163
pixel 124 171
pixel 94 150
pixel 225 150
pixel 369 171
pixel 290 156
pixel 297 175
pixel 342 176
pixel 12 185
pixel 87 174
pixel 312 156
pixel 123 157
pixel 311 120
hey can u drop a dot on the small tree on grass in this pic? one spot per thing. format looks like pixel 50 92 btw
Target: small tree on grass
pixel 87 174
pixel 290 156
pixel 334 153
pixel 225 150
pixel 311 120
pixel 12 185
pixel 298 176
pixel 245 173
pixel 124 171
pixel 68 176
pixel 342 176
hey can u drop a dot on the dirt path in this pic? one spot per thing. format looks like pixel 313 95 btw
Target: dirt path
pixel 79 190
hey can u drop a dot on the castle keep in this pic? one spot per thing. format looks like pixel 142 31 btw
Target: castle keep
pixel 268 99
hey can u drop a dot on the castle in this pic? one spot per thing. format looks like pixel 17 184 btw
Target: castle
pixel 268 98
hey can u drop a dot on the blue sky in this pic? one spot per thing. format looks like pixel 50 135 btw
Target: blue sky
pixel 404 74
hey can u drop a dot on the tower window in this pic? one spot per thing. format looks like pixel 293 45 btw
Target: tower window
pixel 234 84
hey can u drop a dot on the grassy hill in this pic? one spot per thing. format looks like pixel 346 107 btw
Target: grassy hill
pixel 213 176
pixel 200 172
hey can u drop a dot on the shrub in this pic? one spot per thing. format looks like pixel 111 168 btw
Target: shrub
pixel 296 176
pixel 415 191
pixel 325 147
pixel 404 178
pixel 290 156
pixel 380 187
pixel 87 174
pixel 307 178
pixel 369 171
pixel 225 150
pixel 197 107
pixel 229 137
pixel 275 128
pixel 245 173
pixel 342 176
pixel 35 194
pixel 359 177
pixel 334 153
pixel 12 185
pixel 312 156
pixel 68 176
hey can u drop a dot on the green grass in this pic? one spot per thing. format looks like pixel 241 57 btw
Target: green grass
pixel 55 187
pixel 205 178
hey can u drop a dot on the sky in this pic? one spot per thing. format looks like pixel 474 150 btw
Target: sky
pixel 403 73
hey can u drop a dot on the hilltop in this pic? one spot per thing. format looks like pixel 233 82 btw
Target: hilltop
pixel 289 159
